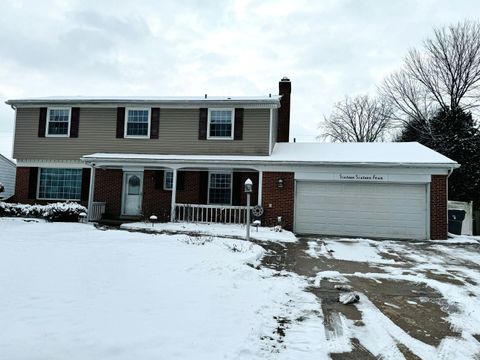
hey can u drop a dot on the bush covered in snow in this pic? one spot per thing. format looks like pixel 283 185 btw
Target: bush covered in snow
pixel 67 212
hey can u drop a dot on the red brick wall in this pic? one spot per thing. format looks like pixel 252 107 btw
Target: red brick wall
pixel 191 192
pixel 21 186
pixel 281 199
pixel 108 188
pixel 155 201
pixel 438 207
pixel 158 201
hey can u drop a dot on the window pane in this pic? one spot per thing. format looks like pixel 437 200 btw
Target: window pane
pixel 220 188
pixel 220 123
pixel 168 184
pixel 137 123
pixel 65 184
pixel 134 185
pixel 58 122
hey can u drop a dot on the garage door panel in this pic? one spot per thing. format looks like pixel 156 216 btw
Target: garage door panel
pixel 361 209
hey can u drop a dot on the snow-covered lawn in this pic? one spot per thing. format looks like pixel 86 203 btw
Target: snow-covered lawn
pixel 70 291
pixel 233 230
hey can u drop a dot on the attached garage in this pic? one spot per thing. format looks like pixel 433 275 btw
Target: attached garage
pixel 364 209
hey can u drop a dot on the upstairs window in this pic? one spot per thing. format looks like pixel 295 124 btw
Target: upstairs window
pixel 60 184
pixel 58 122
pixel 220 124
pixel 220 188
pixel 137 123
pixel 168 180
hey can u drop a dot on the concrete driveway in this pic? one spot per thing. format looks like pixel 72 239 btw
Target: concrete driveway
pixel 417 299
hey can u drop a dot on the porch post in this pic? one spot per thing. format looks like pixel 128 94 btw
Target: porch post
pixel 90 193
pixel 260 187
pixel 174 195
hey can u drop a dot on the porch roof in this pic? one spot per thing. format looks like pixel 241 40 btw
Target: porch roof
pixel 354 154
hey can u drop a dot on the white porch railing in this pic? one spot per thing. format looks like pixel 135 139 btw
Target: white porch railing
pixel 211 213
pixel 97 210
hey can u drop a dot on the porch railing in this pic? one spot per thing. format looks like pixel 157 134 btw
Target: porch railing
pixel 211 213
pixel 97 210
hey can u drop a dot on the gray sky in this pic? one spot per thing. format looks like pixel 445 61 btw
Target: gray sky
pixel 328 48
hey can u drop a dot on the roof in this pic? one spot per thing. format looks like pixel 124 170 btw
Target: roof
pixel 11 162
pixel 374 154
pixel 160 100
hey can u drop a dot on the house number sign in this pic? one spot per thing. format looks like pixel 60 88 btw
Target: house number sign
pixel 362 177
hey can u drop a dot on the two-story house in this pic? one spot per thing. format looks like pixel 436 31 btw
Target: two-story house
pixel 187 158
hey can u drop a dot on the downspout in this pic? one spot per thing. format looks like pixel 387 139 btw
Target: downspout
pixel 91 192
pixel 450 171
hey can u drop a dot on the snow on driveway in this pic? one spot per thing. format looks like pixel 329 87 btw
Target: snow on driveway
pixel 450 269
pixel 70 291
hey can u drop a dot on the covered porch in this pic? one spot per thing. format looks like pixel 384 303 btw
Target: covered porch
pixel 171 191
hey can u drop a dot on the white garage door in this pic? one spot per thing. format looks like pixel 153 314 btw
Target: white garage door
pixel 361 209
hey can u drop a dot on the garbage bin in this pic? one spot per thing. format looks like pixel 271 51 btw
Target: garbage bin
pixel 455 219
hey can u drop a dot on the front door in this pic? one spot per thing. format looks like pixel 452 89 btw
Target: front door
pixel 132 193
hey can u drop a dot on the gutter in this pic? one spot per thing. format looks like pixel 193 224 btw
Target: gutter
pixel 113 161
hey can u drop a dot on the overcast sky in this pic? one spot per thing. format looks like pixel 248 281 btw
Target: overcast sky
pixel 327 48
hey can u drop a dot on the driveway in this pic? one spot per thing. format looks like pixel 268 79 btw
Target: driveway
pixel 415 297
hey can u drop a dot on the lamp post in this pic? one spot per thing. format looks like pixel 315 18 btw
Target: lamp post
pixel 248 190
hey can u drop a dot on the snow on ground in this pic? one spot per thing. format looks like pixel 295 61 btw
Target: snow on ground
pixel 349 249
pixel 263 234
pixel 458 260
pixel 71 291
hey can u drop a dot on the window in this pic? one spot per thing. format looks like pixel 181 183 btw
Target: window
pixel 137 123
pixel 58 122
pixel 220 188
pixel 220 124
pixel 168 180
pixel 62 184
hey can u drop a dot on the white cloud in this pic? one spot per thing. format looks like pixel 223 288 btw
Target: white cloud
pixel 328 48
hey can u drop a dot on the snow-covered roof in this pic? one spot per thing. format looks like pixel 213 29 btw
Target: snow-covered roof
pixel 375 154
pixel 161 100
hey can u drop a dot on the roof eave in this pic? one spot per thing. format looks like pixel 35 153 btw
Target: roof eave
pixel 92 159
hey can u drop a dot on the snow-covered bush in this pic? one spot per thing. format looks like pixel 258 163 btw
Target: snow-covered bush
pixel 66 212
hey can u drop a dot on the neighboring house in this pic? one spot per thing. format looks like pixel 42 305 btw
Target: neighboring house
pixel 186 159
pixel 7 177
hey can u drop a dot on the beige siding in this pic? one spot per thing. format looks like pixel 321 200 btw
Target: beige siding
pixel 97 131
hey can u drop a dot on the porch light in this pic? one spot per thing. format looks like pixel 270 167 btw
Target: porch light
pixel 280 183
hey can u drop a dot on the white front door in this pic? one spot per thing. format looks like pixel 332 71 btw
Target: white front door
pixel 132 193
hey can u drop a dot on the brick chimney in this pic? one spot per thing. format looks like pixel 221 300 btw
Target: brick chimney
pixel 283 128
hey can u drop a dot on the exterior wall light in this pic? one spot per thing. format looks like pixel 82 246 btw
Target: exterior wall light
pixel 280 183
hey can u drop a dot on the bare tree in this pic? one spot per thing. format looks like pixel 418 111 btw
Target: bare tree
pixel 358 119
pixel 444 75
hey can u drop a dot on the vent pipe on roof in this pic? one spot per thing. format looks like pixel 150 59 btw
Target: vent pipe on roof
pixel 205 96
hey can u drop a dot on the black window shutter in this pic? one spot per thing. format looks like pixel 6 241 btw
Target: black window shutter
pixel 202 124
pixel 120 122
pixel 158 179
pixel 32 183
pixel 203 187
pixel 238 131
pixel 85 184
pixel 42 122
pixel 180 180
pixel 155 123
pixel 75 122
pixel 236 188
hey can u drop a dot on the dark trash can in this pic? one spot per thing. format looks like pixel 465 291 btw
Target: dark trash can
pixel 455 219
